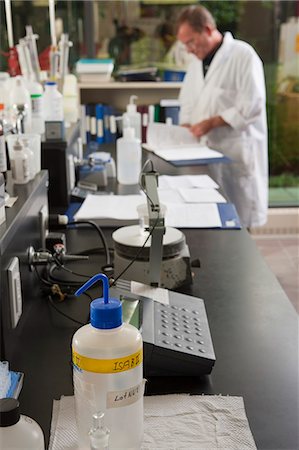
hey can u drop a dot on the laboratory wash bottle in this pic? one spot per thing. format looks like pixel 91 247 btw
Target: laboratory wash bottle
pixel 107 373
pixel 18 432
pixel 128 157
pixel 133 117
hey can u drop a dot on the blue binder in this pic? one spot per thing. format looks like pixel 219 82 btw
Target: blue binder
pixel 100 123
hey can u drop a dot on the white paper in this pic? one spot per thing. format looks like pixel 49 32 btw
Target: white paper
pixel 158 294
pixel 120 207
pixel 186 181
pixel 195 195
pixel 195 215
pixel 186 153
pixel 176 143
pixel 160 135
pixel 169 196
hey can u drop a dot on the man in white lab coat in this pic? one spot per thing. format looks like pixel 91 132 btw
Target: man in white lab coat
pixel 223 103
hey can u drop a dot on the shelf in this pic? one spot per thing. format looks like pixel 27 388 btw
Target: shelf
pixel 131 85
pixel 118 94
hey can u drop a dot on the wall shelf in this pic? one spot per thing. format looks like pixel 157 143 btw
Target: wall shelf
pixel 118 94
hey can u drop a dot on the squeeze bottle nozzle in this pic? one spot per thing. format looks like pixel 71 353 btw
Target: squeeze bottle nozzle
pixel 99 434
pixel 132 107
pixel 105 312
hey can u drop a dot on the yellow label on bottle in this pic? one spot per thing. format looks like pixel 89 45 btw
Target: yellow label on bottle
pixel 107 365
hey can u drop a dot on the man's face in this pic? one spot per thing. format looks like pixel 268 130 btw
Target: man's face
pixel 200 44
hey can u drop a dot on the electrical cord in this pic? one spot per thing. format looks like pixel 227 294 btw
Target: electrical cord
pixel 51 301
pixel 100 232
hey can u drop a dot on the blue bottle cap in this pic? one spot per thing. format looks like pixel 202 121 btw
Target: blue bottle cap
pixel 105 312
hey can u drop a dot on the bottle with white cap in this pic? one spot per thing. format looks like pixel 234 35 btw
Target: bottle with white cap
pixel 128 157
pixel 53 103
pixel 19 164
pixel 18 431
pixel 20 104
pixel 37 107
pixel 107 373
pixel 133 116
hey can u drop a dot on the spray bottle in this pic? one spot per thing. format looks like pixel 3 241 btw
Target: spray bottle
pixel 133 116
pixel 107 372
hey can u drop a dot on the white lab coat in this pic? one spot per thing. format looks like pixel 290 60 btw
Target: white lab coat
pixel 233 88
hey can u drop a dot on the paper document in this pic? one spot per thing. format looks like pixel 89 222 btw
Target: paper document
pixel 161 135
pixel 195 195
pixel 186 181
pixel 176 143
pixel 169 196
pixel 185 153
pixel 195 215
pixel 120 207
pixel 158 294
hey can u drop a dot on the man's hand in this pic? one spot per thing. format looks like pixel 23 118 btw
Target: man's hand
pixel 203 127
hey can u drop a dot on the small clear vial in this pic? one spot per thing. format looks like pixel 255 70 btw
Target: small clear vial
pixel 99 434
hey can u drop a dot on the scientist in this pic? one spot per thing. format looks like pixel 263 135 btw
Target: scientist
pixel 223 103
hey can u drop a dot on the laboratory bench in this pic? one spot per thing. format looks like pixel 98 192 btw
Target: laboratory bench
pixel 253 325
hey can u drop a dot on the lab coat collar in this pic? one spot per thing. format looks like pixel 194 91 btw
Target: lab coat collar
pixel 221 55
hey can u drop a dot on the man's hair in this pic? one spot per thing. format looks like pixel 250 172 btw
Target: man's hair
pixel 197 17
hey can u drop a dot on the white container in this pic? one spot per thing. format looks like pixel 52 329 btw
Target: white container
pixel 107 375
pixel 30 155
pixel 34 144
pixel 132 118
pixel 18 431
pixel 128 158
pixel 37 107
pixel 53 103
pixel 19 164
pixel 70 99
pixel 20 97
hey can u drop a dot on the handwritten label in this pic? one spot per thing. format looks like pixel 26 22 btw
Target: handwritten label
pixel 107 365
pixel 117 399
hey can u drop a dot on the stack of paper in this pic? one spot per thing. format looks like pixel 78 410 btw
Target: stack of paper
pixel 176 143
pixel 190 201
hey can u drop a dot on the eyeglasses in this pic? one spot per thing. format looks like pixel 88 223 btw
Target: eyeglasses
pixel 190 44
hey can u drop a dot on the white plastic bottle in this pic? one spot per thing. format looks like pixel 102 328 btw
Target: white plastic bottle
pixel 107 373
pixel 53 103
pixel 18 431
pixel 37 107
pixel 70 99
pixel 31 160
pixel 19 164
pixel 133 117
pixel 20 101
pixel 128 157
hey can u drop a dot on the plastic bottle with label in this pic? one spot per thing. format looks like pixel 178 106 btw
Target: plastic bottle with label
pixel 19 164
pixel 53 103
pixel 128 157
pixel 133 117
pixel 20 104
pixel 18 431
pixel 107 372
pixel 37 107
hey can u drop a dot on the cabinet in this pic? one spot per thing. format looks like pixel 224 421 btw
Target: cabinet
pixel 118 93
